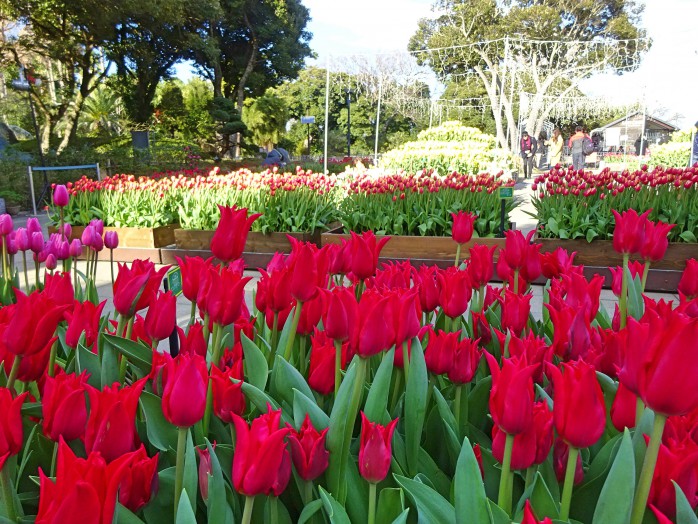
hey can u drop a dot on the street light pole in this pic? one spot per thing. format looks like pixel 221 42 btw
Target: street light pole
pixel 348 121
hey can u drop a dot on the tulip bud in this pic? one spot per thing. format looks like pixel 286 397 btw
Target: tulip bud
pixel 161 318
pixel 205 471
pixel 6 225
pixel 310 457
pixel 111 239
pixel 33 226
pixel 375 449
pixel 184 395
pixel 60 196
pixel 22 239
pixel 75 249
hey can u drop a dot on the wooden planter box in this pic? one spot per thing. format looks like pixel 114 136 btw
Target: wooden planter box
pixel 136 237
pixel 601 253
pixel 198 240
pixel 420 248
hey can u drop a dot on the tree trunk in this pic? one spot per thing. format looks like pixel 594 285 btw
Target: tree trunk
pixel 240 90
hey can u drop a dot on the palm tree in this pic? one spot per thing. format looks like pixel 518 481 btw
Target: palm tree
pixel 103 112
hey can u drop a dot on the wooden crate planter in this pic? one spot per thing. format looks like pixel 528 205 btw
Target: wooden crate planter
pixel 134 237
pixel 198 240
pixel 601 253
pixel 420 248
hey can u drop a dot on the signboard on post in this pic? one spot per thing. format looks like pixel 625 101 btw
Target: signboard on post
pixel 506 193
pixel 174 280
pixel 307 120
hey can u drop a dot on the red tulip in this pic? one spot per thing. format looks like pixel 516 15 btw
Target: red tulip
pixel 580 411
pixel 184 394
pixel 466 359
pixel 365 250
pixel 64 406
pixel 624 408
pixel 463 226
pixel 439 353
pixel 193 342
pixel 59 288
pixel 661 517
pixel 629 231
pixel 136 287
pixel 310 314
pixel 303 272
pixel 262 463
pixel 481 265
pixel 205 471
pixel 228 241
pixel 406 315
pixel 556 263
pixel 511 396
pixel 322 362
pixel 310 457
pixel 561 453
pixel 138 478
pixel 339 257
pixel 227 395
pixel 11 432
pixel 161 318
pixel 515 311
pixel 516 249
pixel 530 517
pixel 374 331
pixel 85 487
pixel 111 426
pixel 85 318
pixel 193 270
pixel 530 447
pixel 375 449
pixel 455 293
pixel 636 269
pixel 656 240
pixel 677 462
pixel 341 310
pixel 688 285
pixel 426 282
pixel 274 291
pixel 31 324
pixel 222 295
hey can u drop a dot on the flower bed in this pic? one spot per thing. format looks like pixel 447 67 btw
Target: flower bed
pixel 350 392
pixel 571 205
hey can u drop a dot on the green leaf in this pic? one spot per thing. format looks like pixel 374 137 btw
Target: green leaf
pixel 402 518
pixel 636 305
pixel 258 398
pixel 553 226
pixel 219 511
pixel 415 403
pixel 499 516
pixel 137 354
pixel 256 368
pixel 161 433
pixel 391 503
pixel 688 236
pixel 542 500
pixel 684 512
pixel 309 510
pixel 286 378
pixel 124 515
pixel 334 509
pixel 185 513
pixel 431 506
pixel 303 405
pixel 110 364
pixel 377 400
pixel 191 474
pixel 591 234
pixel 469 490
pixel 616 499
pixel 86 360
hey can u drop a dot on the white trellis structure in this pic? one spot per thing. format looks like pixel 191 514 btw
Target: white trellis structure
pixel 538 79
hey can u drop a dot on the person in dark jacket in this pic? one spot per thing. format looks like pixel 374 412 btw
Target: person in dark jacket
pixel 694 149
pixel 529 146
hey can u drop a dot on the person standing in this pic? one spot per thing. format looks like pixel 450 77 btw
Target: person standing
pixel 529 146
pixel 694 149
pixel 555 144
pixel 542 153
pixel 576 145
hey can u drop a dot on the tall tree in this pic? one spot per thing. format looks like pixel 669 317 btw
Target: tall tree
pixel 542 48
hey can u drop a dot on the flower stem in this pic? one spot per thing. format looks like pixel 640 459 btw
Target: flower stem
pixel 623 304
pixel 307 492
pixel 274 338
pixel 405 360
pixel 24 266
pixel 505 481
pixel 337 366
pixel 645 482
pixel 247 512
pixel 192 315
pixel 456 407
pixel 217 330
pixel 13 373
pixel 639 410
pixel 274 509
pixel 54 457
pixel 111 265
pixel 179 472
pixel 569 483
pixel 457 255
pixel 516 281
pixel 8 494
pixel 397 385
pixel 645 272
pixel 52 359
pixel 372 498
pixel 294 327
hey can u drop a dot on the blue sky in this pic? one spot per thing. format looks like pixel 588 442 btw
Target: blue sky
pixel 667 79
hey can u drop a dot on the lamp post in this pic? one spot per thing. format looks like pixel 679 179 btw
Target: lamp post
pixel 348 121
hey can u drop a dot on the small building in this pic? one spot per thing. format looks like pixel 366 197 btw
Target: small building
pixel 624 134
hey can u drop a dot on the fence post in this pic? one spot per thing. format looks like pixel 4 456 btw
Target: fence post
pixel 99 176
pixel 31 188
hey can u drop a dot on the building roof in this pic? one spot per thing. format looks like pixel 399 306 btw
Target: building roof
pixel 661 123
